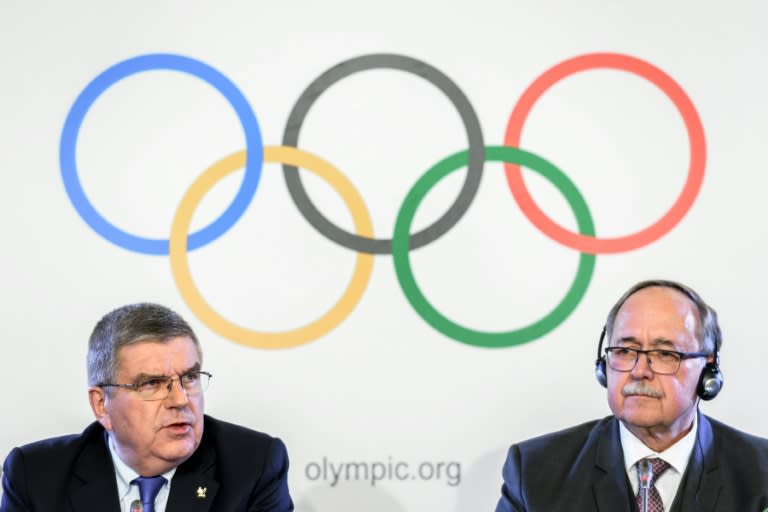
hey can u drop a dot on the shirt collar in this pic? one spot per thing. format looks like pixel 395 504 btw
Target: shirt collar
pixel 676 455
pixel 125 474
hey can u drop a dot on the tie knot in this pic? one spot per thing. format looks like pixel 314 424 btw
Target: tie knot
pixel 148 489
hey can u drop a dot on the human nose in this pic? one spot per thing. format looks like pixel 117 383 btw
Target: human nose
pixel 642 368
pixel 177 394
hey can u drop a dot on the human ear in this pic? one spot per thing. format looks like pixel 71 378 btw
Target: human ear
pixel 97 397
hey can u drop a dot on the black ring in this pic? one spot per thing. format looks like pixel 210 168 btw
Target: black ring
pixel 476 154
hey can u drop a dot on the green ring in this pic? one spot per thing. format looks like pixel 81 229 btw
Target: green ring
pixel 400 250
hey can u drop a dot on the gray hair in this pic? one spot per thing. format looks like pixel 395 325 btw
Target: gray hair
pixel 709 329
pixel 128 325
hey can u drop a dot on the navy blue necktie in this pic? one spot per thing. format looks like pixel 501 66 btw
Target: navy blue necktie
pixel 148 489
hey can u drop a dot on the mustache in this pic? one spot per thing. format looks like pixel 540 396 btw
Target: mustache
pixel 640 388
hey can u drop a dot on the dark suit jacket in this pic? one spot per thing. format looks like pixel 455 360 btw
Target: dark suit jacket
pixel 581 469
pixel 241 470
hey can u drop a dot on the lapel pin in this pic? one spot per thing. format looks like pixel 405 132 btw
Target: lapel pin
pixel 201 491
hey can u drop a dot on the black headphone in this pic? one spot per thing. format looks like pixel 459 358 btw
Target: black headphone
pixel 710 380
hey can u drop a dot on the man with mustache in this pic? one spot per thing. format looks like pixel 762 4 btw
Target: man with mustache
pixel 150 449
pixel 656 450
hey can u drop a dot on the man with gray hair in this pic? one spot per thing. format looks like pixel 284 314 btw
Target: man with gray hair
pixel 151 448
pixel 657 452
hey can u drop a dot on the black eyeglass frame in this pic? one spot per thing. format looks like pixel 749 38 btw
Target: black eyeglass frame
pixel 637 351
pixel 135 386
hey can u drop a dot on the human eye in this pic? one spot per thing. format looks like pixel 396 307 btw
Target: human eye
pixel 152 384
pixel 667 355
pixel 190 378
pixel 622 352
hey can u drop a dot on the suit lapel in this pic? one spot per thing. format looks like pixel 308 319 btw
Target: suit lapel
pixel 93 488
pixel 701 483
pixel 610 487
pixel 194 485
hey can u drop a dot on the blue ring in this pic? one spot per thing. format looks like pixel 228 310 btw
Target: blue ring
pixel 253 145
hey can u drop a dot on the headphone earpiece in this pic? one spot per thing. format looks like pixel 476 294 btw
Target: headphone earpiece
pixel 710 381
pixel 600 373
pixel 711 378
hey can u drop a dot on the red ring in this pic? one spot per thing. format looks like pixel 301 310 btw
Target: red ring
pixel 590 244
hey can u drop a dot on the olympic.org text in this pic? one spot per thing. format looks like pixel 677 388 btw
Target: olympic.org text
pixel 382 471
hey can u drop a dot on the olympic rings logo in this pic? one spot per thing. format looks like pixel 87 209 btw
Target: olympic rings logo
pixel 181 241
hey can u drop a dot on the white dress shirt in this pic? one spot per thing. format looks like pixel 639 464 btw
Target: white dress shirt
pixel 126 492
pixel 676 456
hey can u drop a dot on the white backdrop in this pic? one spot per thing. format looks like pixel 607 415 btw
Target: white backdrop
pixel 383 387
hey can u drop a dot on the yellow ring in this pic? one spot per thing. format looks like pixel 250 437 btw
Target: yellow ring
pixel 236 333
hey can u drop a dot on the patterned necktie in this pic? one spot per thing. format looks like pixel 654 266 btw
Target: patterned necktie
pixel 654 498
pixel 148 489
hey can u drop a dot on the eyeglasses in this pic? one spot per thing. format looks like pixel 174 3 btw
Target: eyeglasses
pixel 158 388
pixel 663 362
